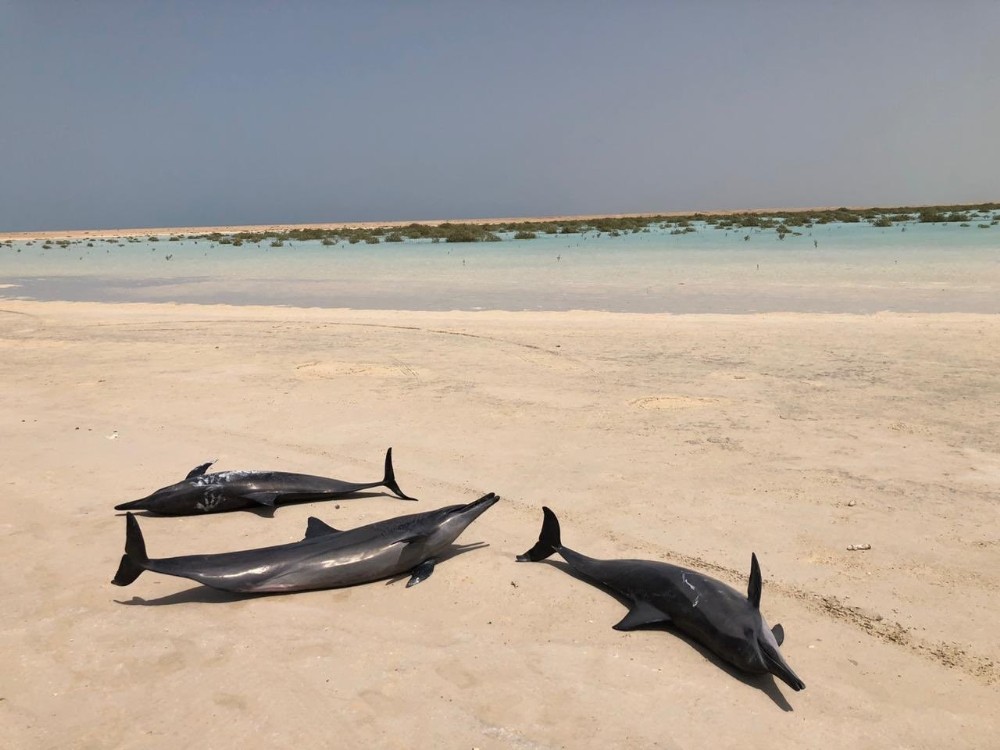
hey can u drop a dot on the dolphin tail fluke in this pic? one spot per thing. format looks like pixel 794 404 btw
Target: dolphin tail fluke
pixel 390 478
pixel 549 540
pixel 135 560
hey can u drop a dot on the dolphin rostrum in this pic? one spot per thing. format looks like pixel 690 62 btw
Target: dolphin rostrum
pixel 326 558
pixel 200 493
pixel 709 611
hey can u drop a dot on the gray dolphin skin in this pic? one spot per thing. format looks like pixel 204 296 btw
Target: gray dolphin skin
pixel 200 493
pixel 326 558
pixel 707 610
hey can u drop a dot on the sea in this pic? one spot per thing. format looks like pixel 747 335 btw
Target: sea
pixel 851 268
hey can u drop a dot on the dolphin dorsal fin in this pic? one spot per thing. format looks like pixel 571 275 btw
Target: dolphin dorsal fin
pixel 198 471
pixel 315 528
pixel 756 584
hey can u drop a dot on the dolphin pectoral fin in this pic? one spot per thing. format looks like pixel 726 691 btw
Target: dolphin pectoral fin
pixel 421 573
pixel 262 498
pixel 315 528
pixel 414 538
pixel 642 613
pixel 779 634
pixel 198 471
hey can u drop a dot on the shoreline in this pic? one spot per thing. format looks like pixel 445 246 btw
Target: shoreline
pixel 118 232
pixel 231 309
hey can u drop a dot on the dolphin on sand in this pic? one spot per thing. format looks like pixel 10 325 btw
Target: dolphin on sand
pixel 709 611
pixel 326 558
pixel 201 493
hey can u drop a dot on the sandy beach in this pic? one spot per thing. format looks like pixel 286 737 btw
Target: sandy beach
pixel 694 439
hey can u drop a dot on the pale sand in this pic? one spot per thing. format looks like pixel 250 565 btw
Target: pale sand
pixel 693 439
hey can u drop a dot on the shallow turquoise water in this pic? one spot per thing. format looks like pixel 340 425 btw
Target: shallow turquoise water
pixel 853 268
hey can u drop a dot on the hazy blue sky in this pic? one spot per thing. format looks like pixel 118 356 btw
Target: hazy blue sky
pixel 137 113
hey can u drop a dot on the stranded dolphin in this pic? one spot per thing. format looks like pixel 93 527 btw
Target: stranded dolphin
pixel 326 558
pixel 200 493
pixel 709 611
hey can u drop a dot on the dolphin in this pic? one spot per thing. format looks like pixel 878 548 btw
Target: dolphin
pixel 200 493
pixel 707 610
pixel 325 558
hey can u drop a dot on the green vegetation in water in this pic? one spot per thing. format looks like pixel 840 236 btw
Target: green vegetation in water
pixel 782 223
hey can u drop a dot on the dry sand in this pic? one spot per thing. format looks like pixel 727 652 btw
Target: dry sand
pixel 692 439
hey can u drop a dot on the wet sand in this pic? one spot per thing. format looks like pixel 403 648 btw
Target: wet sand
pixel 695 439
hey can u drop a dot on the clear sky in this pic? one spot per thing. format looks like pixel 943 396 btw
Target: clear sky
pixel 196 112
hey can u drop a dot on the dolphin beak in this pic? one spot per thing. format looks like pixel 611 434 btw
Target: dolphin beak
pixel 132 504
pixel 777 666
pixel 480 506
